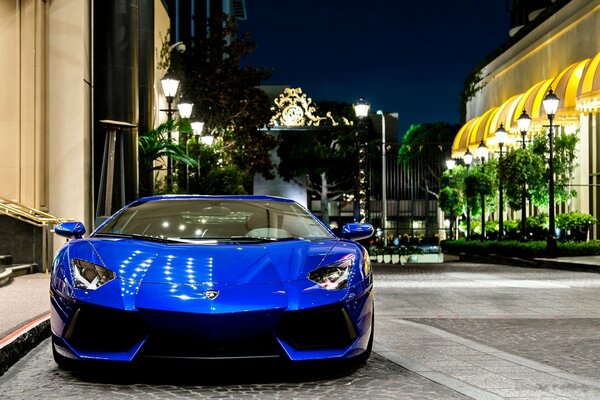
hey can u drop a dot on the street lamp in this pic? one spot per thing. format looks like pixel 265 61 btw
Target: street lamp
pixel 501 138
pixel 550 103
pixel 523 122
pixel 361 109
pixel 169 84
pixel 383 178
pixel 468 159
pixel 185 108
pixel 482 153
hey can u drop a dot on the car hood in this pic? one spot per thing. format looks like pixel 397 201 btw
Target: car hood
pixel 226 264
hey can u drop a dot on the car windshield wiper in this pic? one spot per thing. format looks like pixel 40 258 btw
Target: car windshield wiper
pixel 259 239
pixel 138 236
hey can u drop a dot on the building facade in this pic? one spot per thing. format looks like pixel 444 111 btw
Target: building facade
pixel 66 66
pixel 560 52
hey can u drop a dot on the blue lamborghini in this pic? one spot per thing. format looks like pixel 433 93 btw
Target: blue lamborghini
pixel 205 277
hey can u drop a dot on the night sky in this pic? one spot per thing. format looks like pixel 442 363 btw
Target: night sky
pixel 409 57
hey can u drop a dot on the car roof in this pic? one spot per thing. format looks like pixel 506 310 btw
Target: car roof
pixel 212 197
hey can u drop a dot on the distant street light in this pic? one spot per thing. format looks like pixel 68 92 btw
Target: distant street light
pixel 361 109
pixel 482 153
pixel 550 103
pixel 185 108
pixel 523 123
pixel 501 138
pixel 468 159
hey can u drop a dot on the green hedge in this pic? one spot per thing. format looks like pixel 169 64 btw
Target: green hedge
pixel 514 248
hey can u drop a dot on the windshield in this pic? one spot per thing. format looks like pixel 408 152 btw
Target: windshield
pixel 210 219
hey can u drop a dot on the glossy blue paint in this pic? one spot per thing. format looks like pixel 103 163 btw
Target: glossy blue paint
pixel 70 229
pixel 166 284
pixel 357 231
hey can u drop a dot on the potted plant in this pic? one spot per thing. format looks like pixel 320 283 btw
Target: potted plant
pixel 575 225
pixel 537 226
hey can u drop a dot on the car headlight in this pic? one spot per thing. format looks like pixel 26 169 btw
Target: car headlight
pixel 335 275
pixel 87 275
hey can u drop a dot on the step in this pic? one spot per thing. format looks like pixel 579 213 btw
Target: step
pixel 21 269
pixel 4 275
pixel 5 259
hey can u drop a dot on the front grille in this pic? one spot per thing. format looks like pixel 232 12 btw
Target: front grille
pixel 317 329
pixel 194 347
pixel 102 329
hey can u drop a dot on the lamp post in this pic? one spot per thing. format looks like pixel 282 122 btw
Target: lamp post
pixel 450 164
pixel 383 178
pixel 197 128
pixel 468 159
pixel 169 85
pixel 482 153
pixel 185 108
pixel 523 123
pixel 550 103
pixel 361 109
pixel 501 138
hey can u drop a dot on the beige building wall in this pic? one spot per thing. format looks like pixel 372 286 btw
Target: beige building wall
pixel 161 27
pixel 69 110
pixel 23 165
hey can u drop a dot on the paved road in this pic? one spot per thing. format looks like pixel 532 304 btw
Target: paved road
pixel 451 331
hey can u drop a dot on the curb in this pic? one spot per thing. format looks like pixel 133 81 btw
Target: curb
pixel 549 263
pixel 18 342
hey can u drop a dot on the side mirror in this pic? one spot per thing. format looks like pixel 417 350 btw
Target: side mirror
pixel 357 231
pixel 70 229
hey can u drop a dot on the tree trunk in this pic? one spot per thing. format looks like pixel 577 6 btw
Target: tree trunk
pixel 324 199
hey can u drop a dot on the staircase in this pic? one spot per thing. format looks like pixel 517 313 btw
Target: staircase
pixel 25 234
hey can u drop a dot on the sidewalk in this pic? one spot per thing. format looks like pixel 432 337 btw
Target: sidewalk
pixel 24 316
pixel 25 306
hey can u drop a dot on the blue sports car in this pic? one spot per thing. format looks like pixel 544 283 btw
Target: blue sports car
pixel 205 277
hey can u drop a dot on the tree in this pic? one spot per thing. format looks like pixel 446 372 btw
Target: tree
pixel 564 164
pixel 227 97
pixel 521 170
pixel 327 156
pixel 155 147
pixel 427 145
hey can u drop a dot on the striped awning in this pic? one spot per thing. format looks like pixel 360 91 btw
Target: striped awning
pixel 577 87
pixel 588 99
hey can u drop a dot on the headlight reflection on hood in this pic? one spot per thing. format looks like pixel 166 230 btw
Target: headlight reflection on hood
pixel 87 275
pixel 335 275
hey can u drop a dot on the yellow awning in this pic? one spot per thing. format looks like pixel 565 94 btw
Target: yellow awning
pixel 505 115
pixel 588 96
pixel 482 128
pixel 460 144
pixel 577 87
pixel 531 102
pixel 565 86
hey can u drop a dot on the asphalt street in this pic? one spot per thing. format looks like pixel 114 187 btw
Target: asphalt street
pixel 444 331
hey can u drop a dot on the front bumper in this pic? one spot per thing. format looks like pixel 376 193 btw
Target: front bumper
pixel 85 331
